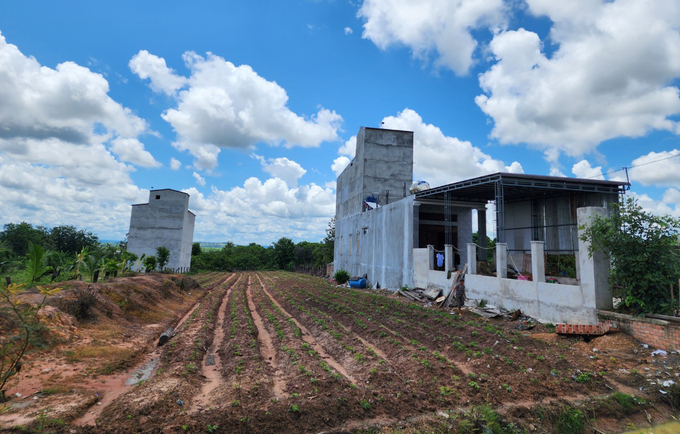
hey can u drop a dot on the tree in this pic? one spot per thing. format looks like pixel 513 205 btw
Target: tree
pixel 162 254
pixel 150 263
pixel 13 347
pixel 17 237
pixel 71 240
pixel 644 254
pixel 284 254
pixel 195 249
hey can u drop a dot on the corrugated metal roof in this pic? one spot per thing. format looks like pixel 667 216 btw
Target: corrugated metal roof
pixel 518 187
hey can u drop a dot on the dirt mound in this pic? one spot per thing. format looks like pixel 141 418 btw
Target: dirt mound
pixel 615 342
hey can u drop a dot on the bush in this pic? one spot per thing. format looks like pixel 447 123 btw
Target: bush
pixel 341 276
pixel 570 421
pixel 643 252
pixel 83 304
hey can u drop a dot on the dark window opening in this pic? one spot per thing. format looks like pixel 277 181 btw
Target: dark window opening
pixel 158 196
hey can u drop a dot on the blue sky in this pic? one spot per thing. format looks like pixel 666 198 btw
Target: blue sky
pixel 251 106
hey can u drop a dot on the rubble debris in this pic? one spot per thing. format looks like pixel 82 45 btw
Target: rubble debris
pixel 586 329
pixel 659 353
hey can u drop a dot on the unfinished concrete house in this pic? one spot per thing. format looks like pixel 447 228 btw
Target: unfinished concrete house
pixel 401 239
pixel 164 221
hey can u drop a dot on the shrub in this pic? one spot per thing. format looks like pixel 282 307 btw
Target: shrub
pixel 570 421
pixel 341 276
pixel 81 307
pixel 643 253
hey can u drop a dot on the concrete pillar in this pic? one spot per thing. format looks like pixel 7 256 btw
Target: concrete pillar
pixel 481 235
pixel 416 225
pixel 538 261
pixel 472 265
pixel 501 260
pixel 448 257
pixel 430 256
pixel 594 269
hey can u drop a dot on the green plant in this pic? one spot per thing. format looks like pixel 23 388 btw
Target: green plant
pixel 569 421
pixel 584 377
pixel 36 263
pixel 341 276
pixel 163 255
pixel 211 428
pixel 624 400
pixel 365 404
pixel 473 385
pixel 642 249
pixel 13 347
pixel 445 390
pixel 150 263
pixel 294 409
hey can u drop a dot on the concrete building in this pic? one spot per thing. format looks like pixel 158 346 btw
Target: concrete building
pixel 401 239
pixel 164 221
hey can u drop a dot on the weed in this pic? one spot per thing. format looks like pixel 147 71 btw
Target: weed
pixel 211 428
pixel 624 400
pixel 584 377
pixel 445 390
pixel 235 403
pixel 570 421
pixel 473 385
pixel 507 388
pixel 365 404
pixel 294 409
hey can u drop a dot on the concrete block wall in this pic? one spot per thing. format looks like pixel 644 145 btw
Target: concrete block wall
pixel 385 250
pixel 382 167
pixel 657 333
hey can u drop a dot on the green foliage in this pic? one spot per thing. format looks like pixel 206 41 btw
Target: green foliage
pixel 36 263
pixel 70 240
pixel 644 255
pixel 284 254
pixel 24 317
pixel 570 421
pixel 626 401
pixel 150 263
pixel 196 249
pixel 18 236
pixel 341 276
pixel 163 255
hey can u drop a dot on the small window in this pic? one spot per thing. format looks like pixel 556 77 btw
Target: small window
pixel 158 196
pixel 357 243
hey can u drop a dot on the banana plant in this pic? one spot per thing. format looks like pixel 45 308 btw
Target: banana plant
pixel 80 261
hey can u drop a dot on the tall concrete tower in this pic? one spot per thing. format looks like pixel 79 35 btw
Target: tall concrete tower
pixel 164 221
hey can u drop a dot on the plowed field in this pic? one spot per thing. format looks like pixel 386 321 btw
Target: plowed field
pixel 276 352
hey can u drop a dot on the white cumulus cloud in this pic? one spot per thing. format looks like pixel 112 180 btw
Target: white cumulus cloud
pixel 657 168
pixel 432 27
pixel 55 127
pixel 132 151
pixel 199 179
pixel 611 75
pixel 441 159
pixel 161 78
pixel 175 164
pixel 282 168
pixel 348 31
pixel 262 212
pixel 583 169
pixel 228 106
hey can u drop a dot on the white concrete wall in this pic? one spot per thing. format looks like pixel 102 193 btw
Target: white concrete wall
pixel 385 244
pixel 549 302
pixel 164 221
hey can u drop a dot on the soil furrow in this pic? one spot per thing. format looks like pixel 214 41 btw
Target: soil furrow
pixel 309 338
pixel 267 348
pixel 212 363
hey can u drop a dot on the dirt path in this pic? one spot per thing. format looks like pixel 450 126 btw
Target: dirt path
pixel 267 348
pixel 212 363
pixel 309 338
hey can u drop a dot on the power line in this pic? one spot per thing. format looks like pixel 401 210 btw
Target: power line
pixel 634 166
